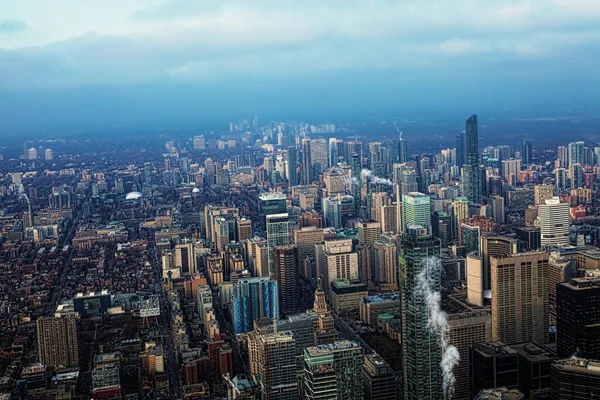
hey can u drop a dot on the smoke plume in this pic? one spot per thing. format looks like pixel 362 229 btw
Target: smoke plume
pixel 438 322
pixel 367 173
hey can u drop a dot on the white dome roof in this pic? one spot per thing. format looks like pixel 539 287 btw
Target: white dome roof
pixel 195 190
pixel 133 196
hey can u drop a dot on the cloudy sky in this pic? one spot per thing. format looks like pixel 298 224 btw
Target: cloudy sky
pixel 248 56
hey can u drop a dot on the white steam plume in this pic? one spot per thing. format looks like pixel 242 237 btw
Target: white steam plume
pixel 22 195
pixel 438 323
pixel 367 173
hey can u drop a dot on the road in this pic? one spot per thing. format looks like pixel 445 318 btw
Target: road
pixel 172 365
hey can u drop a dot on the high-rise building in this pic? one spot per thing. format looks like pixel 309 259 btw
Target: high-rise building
pixel 498 211
pixel 472 177
pixel 356 168
pixel 575 378
pixel 199 143
pixel 420 348
pixel 543 192
pixel 510 170
pixel 278 233
pixel 554 219
pixel 306 177
pixel 378 199
pixel 520 298
pixel 493 365
pixel 325 331
pixel 332 212
pixel 467 326
pixel 527 151
pixel 57 341
pixel 333 152
pixel 342 359
pixel 277 366
pixel 469 236
pixel 335 181
pixel 441 226
pixel 32 153
pixel 578 318
pixel 379 382
pixel 185 258
pixel 416 209
pixel 254 298
pixel 374 153
pixel 575 153
pixel 336 260
pixel 305 240
pixel 402 150
pixel 292 165
pixel 461 154
pixel 386 264
pixel 318 153
pixel 243 228
pixel 48 155
pixel 286 274
pixel 389 218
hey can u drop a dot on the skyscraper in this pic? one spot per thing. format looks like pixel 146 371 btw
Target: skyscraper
pixel 527 151
pixel 332 212
pixel 378 378
pixel 254 298
pixel 460 150
pixel 520 298
pixel 355 166
pixel 575 153
pixel 416 209
pixel 554 218
pixel 319 153
pixel 185 258
pixel 344 359
pixel 472 177
pixel 292 165
pixel 278 233
pixel 277 366
pixel 578 318
pixel 57 341
pixel 286 274
pixel 420 348
pixel 306 163
pixel 402 150
pixel 333 152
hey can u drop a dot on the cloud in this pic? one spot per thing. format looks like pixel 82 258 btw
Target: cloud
pixel 147 40
pixel 12 26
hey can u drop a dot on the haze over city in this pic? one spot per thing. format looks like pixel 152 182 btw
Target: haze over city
pixel 277 200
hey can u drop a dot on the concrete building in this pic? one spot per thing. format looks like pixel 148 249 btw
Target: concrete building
pixel 578 318
pixel 334 368
pixel 57 341
pixel 286 274
pixel 277 366
pixel 417 210
pixel 520 298
pixel 493 365
pixel 575 378
pixel 305 239
pixel 379 382
pixel 336 260
pixel 554 220
pixel 467 327
pixel 346 296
